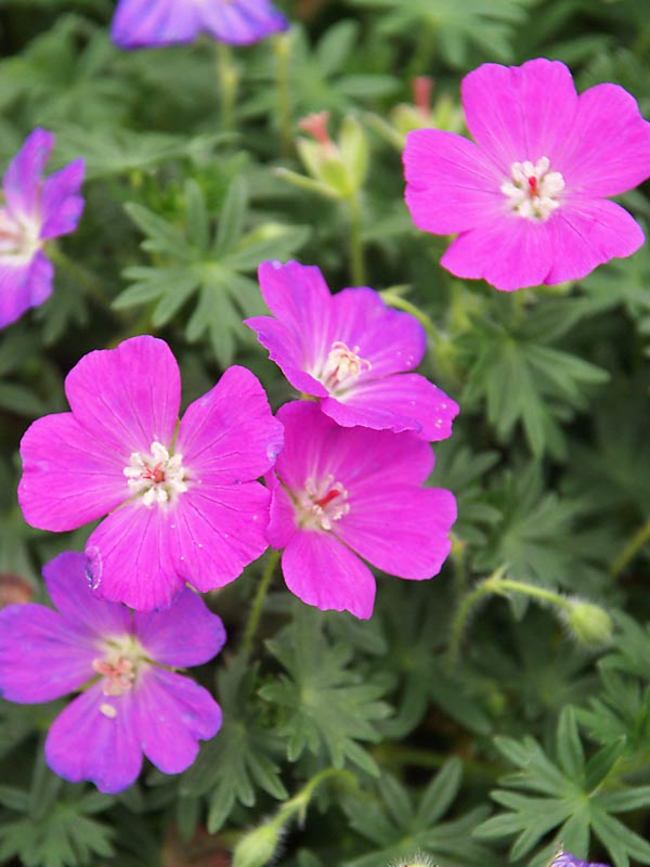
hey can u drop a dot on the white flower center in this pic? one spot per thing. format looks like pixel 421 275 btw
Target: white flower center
pixel 322 503
pixel 19 240
pixel 343 366
pixel 158 477
pixel 118 667
pixel 533 189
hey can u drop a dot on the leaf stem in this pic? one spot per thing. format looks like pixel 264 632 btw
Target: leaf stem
pixel 638 541
pixel 281 49
pixel 357 256
pixel 228 80
pixel 257 607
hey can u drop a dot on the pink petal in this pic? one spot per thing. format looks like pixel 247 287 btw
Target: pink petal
pixel 321 571
pixel 187 633
pixel 85 744
pixel 588 233
pixel 129 557
pixel 402 530
pixel 42 657
pixel 70 476
pixel 170 715
pixel 403 402
pixel 23 179
pixel 216 531
pixel 451 184
pixel 23 286
pixel 282 517
pixel 518 113
pixel 229 435
pixel 607 150
pixel 510 253
pixel 130 396
pixel 62 204
pixel 67 585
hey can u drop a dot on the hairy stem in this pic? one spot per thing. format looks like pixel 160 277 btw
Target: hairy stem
pixel 228 80
pixel 357 256
pixel 638 541
pixel 281 48
pixel 257 607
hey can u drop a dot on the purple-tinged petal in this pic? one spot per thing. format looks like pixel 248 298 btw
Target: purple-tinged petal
pixel 145 23
pixel 129 559
pixel 22 181
pixel 67 585
pixel 23 286
pixel 42 657
pixel 566 859
pixel 286 350
pixel 321 571
pixel 518 113
pixel 85 743
pixel 62 204
pixel 586 234
pixel 242 22
pixel 187 633
pixel 607 149
pixel 402 530
pixel 170 715
pixel 451 184
pixel 70 476
pixel 128 396
pixel 510 253
pixel 216 531
pixel 229 435
pixel 403 402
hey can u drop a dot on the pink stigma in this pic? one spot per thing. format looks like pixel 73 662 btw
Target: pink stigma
pixel 119 676
pixel 316 126
pixel 329 496
pixel 532 184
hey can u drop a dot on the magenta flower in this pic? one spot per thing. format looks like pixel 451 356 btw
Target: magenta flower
pixel 529 199
pixel 349 350
pixel 566 859
pixel 34 211
pixel 147 23
pixel 341 496
pixel 131 702
pixel 182 503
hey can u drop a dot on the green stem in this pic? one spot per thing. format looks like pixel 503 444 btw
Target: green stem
pixel 258 602
pixel 78 273
pixel 394 298
pixel 281 48
pixel 228 81
pixel 423 52
pixel 638 541
pixel 357 257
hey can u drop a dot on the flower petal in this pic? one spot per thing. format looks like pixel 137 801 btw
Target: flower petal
pixel 85 744
pixel 451 184
pixel 129 559
pixel 67 585
pixel 23 179
pixel 23 286
pixel 62 205
pixel 69 477
pixel 141 23
pixel 187 633
pixel 403 531
pixel 518 113
pixel 587 234
pixel 216 531
pixel 510 253
pixel 286 350
pixel 128 396
pixel 171 714
pixel 42 657
pixel 607 150
pixel 321 571
pixel 402 402
pixel 242 22
pixel 229 435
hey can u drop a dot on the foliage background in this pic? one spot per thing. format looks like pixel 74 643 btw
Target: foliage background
pixel 352 743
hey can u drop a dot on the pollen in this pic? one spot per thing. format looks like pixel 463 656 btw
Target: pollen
pixel 533 190
pixel 158 477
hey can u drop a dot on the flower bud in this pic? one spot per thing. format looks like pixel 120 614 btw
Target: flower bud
pixel 589 623
pixel 258 847
pixel 418 860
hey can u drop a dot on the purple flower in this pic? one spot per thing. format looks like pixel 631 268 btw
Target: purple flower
pixel 350 351
pixel 344 495
pixel 182 501
pixel 566 859
pixel 146 23
pixel 131 703
pixel 35 210
pixel 529 200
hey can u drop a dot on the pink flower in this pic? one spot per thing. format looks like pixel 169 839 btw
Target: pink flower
pixel 182 503
pixel 341 496
pixel 131 703
pixel 529 199
pixel 350 351
pixel 35 210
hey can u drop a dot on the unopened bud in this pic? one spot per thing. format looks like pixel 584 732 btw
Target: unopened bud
pixel 14 590
pixel 257 847
pixel 590 623
pixel 418 860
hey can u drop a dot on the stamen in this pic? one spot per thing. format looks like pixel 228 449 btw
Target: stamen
pixel 119 665
pixel 533 189
pixel 322 503
pixel 108 710
pixel 158 477
pixel 343 366
pixel 19 240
